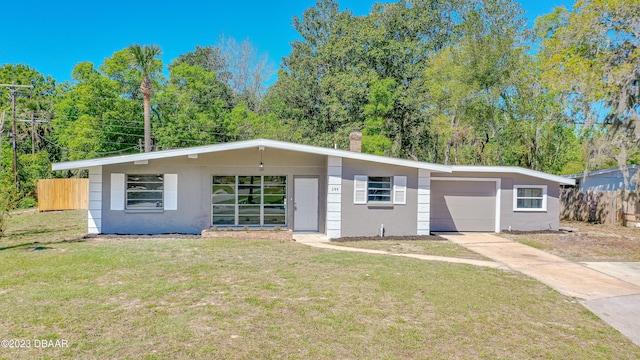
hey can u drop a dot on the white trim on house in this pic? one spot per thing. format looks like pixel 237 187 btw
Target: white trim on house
pixel 360 189
pixel 94 213
pixel 170 191
pixel 117 192
pixel 544 198
pixel 138 157
pixel 498 182
pixel 399 190
pixel 424 202
pixel 334 197
pixel 513 170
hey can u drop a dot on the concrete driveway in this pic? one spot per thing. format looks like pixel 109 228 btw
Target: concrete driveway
pixel 627 271
pixel 610 291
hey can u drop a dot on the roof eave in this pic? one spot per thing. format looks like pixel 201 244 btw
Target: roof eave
pixel 82 164
pixel 514 170
pixel 600 172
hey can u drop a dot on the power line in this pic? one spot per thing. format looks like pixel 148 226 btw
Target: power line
pixel 98 130
pixel 179 128
pixel 175 137
pixel 102 142
pixel 37 121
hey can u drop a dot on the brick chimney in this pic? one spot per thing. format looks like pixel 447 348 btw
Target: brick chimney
pixel 355 141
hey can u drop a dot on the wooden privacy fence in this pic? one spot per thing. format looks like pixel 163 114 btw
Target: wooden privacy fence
pixel 63 194
pixel 605 207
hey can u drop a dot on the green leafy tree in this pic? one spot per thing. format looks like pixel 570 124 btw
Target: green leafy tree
pixel 325 82
pixel 591 57
pixel 34 102
pixel 209 58
pixel 95 113
pixel 376 123
pixel 192 108
pixel 243 124
pixel 449 95
pixel 471 82
pixel 4 213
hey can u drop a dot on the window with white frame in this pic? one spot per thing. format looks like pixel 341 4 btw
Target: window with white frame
pixel 380 189
pixel 145 192
pixel 530 198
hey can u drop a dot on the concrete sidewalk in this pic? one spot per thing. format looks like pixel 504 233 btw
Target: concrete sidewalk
pixel 615 301
pixel 320 241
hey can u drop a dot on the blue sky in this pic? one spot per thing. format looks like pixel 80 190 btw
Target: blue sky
pixel 54 36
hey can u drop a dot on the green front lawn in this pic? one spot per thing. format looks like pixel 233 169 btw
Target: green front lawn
pixel 155 298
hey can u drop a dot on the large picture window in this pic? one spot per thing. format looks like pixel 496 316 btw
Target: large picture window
pixel 145 192
pixel 530 198
pixel 249 200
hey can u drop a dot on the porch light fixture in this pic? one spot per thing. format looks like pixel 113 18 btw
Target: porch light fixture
pixel 261 149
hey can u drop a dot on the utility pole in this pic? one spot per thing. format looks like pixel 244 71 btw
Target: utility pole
pixel 13 88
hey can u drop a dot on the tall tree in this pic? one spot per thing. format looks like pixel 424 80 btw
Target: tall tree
pixel 103 104
pixel 375 138
pixel 144 59
pixel 41 93
pixel 209 58
pixel 327 79
pixel 246 71
pixel 591 56
pixel 192 108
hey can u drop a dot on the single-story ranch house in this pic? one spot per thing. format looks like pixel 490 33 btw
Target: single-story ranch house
pixel 267 183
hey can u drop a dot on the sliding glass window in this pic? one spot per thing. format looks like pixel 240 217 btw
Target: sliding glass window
pixel 249 200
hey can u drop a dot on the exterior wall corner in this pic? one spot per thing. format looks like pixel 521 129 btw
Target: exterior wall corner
pixel 334 196
pixel 424 202
pixel 94 217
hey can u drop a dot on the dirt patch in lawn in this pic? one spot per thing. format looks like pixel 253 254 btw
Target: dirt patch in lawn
pixel 424 245
pixel 585 242
pixel 389 238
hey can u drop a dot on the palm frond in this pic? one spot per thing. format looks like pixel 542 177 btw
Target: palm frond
pixel 143 57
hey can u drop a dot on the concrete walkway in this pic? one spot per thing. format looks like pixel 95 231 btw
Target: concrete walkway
pixel 320 241
pixel 614 300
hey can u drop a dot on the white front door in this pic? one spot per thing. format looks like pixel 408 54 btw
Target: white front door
pixel 305 204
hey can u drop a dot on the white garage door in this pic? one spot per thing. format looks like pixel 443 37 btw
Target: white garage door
pixel 463 205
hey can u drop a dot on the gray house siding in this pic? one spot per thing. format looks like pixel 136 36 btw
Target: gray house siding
pixel 194 188
pixel 510 219
pixel 366 219
pixel 342 210
pixel 529 220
